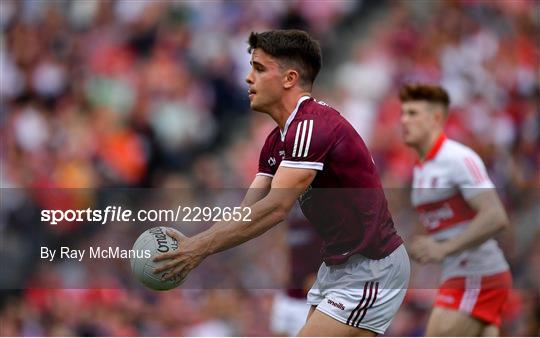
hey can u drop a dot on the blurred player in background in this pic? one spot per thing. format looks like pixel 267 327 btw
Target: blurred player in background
pixel 461 211
pixel 365 274
pixel 289 308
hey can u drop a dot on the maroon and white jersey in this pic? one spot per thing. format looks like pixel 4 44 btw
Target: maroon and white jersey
pixel 345 201
pixel 450 175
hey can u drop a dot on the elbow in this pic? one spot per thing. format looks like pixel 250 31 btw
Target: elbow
pixel 502 221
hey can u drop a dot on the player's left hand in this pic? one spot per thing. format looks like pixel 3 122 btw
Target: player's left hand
pixel 181 261
pixel 425 249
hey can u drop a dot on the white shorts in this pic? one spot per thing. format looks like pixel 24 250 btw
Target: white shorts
pixel 362 292
pixel 288 314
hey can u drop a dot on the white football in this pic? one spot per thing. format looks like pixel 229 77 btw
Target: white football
pixel 151 243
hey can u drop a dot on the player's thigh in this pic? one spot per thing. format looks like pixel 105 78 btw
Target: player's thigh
pixel 322 325
pixel 447 322
pixel 311 310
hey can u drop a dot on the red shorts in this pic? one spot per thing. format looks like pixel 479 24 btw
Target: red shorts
pixel 482 297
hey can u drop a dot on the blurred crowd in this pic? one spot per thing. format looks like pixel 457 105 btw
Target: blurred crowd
pixel 150 94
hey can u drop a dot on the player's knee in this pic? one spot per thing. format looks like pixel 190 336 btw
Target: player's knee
pixel 439 329
pixel 490 331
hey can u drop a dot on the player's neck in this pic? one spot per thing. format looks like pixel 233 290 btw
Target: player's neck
pixel 286 107
pixel 424 148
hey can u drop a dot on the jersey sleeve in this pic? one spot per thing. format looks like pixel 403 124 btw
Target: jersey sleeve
pixel 471 175
pixel 307 144
pixel 265 169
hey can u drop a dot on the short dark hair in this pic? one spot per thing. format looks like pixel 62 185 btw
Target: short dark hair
pixel 292 48
pixel 424 92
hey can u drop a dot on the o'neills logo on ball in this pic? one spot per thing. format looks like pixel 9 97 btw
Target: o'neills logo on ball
pixel 161 239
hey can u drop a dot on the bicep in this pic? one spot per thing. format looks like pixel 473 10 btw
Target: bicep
pixel 293 178
pixel 261 182
pixel 288 184
pixel 486 201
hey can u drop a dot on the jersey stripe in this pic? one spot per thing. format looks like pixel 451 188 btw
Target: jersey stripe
pixel 302 139
pixel 302 165
pixel 308 137
pixel 473 169
pixel 436 216
pixel 296 138
pixel 263 174
pixel 470 296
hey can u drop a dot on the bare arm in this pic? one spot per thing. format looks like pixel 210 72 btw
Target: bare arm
pixel 286 186
pixel 489 220
pixel 258 189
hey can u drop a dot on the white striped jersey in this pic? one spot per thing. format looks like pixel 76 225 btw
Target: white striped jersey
pixel 450 175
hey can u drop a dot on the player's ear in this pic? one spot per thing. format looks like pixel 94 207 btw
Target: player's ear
pixel 290 78
pixel 440 115
pixel 437 113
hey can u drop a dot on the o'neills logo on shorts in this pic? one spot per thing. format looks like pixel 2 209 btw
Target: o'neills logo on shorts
pixel 338 305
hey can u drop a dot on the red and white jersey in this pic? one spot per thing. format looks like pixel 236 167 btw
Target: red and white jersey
pixel 450 175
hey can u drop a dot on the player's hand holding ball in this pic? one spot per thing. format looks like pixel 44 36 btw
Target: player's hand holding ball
pixel 176 264
pixel 169 257
pixel 150 244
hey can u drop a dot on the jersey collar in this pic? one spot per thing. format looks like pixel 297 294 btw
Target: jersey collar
pixel 291 117
pixel 435 148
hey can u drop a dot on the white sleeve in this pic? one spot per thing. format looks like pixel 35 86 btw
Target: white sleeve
pixel 470 175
